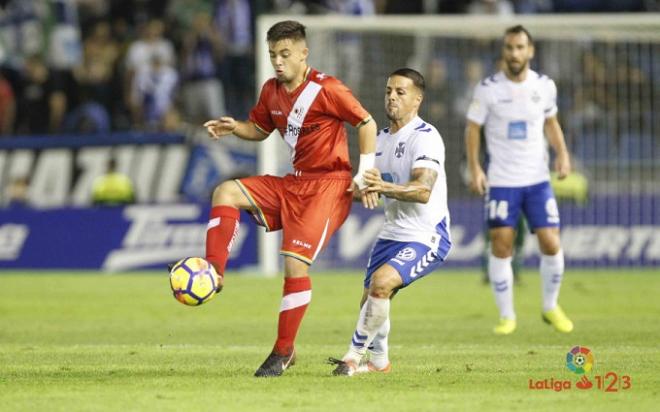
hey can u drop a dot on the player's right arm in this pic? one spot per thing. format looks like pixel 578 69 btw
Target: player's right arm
pixel 342 104
pixel 476 117
pixel 226 125
pixel 417 190
pixel 472 147
pixel 258 126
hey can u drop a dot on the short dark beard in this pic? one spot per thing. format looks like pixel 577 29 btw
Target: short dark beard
pixel 514 72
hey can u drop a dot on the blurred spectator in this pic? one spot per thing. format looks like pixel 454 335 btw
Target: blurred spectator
pixel 233 20
pixel 88 117
pixel 474 72
pixel 181 14
pixel 21 35
pixel 202 91
pixel 42 103
pixel 95 74
pixel 152 96
pixel 136 11
pixel 64 44
pixel 349 51
pixel 64 53
pixel 93 10
pixel 113 188
pixel 440 90
pixel 150 45
pixel 7 107
pixel 501 7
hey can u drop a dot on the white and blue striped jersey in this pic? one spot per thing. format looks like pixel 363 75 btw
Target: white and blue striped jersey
pixel 513 115
pixel 416 145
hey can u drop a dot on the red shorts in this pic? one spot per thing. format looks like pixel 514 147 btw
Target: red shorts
pixel 308 208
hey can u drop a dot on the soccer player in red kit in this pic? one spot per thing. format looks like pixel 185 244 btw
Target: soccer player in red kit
pixel 309 109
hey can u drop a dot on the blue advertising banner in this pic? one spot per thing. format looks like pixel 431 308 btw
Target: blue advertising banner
pixel 607 231
pixel 113 238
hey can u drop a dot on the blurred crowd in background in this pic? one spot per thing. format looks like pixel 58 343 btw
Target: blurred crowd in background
pixel 85 66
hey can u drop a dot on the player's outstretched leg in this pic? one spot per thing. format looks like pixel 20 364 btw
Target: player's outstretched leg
pixel 501 280
pixel 373 314
pixel 552 272
pixel 223 224
pixel 378 356
pixel 296 297
pixel 220 234
pixel 378 352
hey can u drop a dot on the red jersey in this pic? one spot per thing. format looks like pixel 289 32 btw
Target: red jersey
pixel 311 120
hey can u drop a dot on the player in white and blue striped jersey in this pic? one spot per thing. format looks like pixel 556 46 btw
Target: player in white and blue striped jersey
pixel 414 240
pixel 517 108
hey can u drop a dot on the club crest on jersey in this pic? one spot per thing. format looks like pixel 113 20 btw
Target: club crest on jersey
pixel 321 76
pixel 535 97
pixel 400 149
pixel 299 113
pixel 406 254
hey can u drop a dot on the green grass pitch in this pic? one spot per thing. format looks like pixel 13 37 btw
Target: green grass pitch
pixel 90 342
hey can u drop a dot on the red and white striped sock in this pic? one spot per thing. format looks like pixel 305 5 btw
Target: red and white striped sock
pixel 220 234
pixel 296 297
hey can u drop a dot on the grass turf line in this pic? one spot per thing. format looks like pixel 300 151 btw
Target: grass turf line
pixel 121 342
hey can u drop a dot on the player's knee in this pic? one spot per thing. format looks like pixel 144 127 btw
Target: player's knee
pixel 226 193
pixel 501 249
pixel 501 244
pixel 550 247
pixel 549 241
pixel 383 284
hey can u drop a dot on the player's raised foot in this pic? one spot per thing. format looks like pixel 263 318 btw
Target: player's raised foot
pixel 558 319
pixel 369 367
pixel 275 365
pixel 505 327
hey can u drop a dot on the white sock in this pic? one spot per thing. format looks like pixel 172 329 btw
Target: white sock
pixel 373 314
pixel 378 350
pixel 552 272
pixel 501 280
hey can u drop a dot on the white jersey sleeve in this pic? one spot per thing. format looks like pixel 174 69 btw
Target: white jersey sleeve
pixel 479 106
pixel 428 152
pixel 550 108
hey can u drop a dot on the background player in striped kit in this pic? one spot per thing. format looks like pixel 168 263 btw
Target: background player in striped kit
pixel 414 241
pixel 516 106
pixel 309 109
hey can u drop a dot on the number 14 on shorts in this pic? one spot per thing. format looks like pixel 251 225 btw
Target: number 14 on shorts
pixel 499 210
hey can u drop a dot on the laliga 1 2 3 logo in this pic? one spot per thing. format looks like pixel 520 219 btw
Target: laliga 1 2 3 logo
pixel 580 360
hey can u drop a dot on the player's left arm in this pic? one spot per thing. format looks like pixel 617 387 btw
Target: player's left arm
pixel 367 131
pixel 417 190
pixel 556 139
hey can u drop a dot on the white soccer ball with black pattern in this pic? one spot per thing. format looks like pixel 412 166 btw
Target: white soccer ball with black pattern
pixel 193 281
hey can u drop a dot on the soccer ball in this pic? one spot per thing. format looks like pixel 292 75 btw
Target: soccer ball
pixel 193 281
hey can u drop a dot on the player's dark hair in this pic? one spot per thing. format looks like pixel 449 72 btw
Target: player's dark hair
pixel 517 30
pixel 288 29
pixel 414 75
